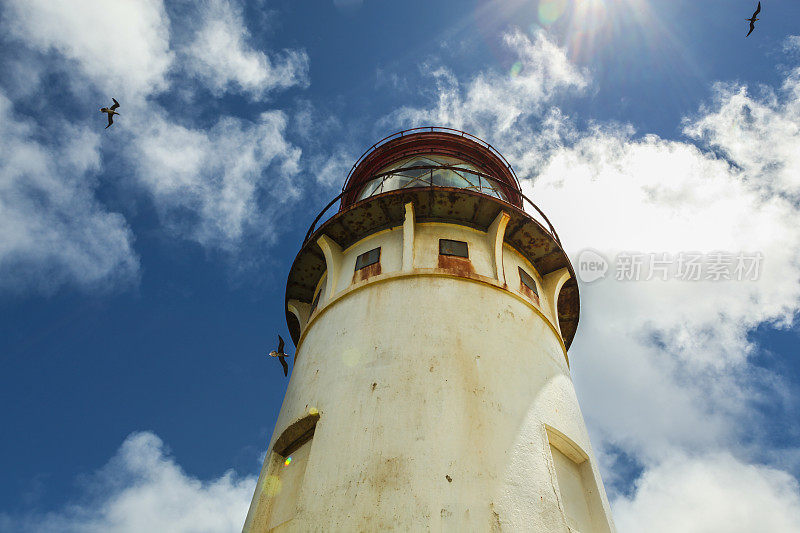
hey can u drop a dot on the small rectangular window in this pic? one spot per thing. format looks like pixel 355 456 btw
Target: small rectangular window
pixel 454 248
pixel 528 281
pixel 368 258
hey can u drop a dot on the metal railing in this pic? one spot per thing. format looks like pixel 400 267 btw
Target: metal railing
pixel 432 129
pixel 428 184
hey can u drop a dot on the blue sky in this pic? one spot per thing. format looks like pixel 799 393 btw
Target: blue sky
pixel 142 267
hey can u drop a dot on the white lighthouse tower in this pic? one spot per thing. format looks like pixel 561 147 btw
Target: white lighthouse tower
pixel 431 387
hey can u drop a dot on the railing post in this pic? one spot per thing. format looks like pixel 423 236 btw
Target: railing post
pixel 313 224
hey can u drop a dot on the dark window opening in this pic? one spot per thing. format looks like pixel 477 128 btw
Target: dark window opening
pixel 368 258
pixel 316 298
pixel 279 492
pixel 528 281
pixel 293 446
pixel 454 248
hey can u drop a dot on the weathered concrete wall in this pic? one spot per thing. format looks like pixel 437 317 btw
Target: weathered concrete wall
pixel 426 253
pixel 391 244
pixel 436 395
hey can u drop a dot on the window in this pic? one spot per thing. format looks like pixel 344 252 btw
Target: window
pixel 576 485
pixel 368 258
pixel 431 171
pixel 528 281
pixel 454 248
pixel 287 469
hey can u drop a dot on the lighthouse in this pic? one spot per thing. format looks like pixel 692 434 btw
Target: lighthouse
pixel 432 313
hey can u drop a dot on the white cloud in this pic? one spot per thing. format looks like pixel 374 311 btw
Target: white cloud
pixel 221 56
pixel 126 48
pixel 792 44
pixel 500 105
pixel 737 119
pixel 121 46
pixel 143 489
pixel 675 353
pixel 708 495
pixel 219 185
pixel 52 229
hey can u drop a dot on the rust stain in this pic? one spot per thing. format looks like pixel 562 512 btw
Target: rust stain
pixel 459 266
pixel 495 521
pixel 529 293
pixel 367 272
pixel 386 474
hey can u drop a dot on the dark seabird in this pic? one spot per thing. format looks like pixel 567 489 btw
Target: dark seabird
pixel 281 356
pixel 753 19
pixel 110 112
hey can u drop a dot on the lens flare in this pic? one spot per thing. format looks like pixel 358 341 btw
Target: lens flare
pixel 551 10
pixel 515 69
pixel 288 461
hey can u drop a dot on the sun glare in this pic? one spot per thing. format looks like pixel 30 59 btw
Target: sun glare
pixel 617 33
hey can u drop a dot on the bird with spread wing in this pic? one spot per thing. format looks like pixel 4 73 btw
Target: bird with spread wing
pixel 281 356
pixel 110 111
pixel 753 19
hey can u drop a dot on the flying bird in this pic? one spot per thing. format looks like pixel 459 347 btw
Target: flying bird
pixel 753 19
pixel 110 111
pixel 281 356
